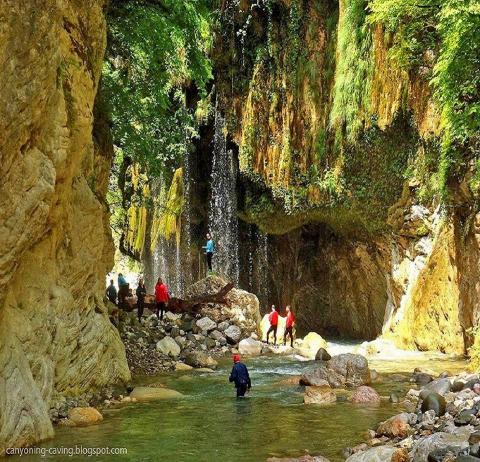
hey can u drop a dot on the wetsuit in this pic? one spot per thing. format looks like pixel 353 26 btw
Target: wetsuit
pixel 209 249
pixel 240 376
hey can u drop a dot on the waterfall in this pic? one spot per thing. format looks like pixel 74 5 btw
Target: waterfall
pixel 187 216
pixel 262 267
pixel 223 220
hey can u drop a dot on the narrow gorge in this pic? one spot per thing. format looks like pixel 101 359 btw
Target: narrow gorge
pixel 330 147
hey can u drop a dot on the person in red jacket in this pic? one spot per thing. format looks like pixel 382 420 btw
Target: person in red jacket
pixel 273 318
pixel 289 323
pixel 161 297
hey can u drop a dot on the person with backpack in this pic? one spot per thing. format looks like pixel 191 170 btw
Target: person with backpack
pixel 273 319
pixel 240 377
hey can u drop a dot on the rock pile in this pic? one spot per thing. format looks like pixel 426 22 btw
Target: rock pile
pixel 441 424
pixel 156 345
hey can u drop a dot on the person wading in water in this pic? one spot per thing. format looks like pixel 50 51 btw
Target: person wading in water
pixel 112 292
pixel 141 292
pixel 209 250
pixel 289 323
pixel 161 297
pixel 240 376
pixel 273 318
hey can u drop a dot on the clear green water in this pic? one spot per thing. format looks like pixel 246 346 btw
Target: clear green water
pixel 209 424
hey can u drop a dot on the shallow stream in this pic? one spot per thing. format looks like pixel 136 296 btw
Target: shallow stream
pixel 209 424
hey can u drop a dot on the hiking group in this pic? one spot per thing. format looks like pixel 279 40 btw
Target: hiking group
pixel 239 374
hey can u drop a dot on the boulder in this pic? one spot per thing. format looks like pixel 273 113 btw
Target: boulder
pixel 398 425
pixel 233 334
pixel 241 308
pixel 322 355
pixel 365 394
pixel 206 324
pixel 200 359
pixel 440 386
pixel 377 454
pixel 210 343
pixel 187 325
pixel 319 395
pixel 84 416
pixel 311 343
pixel 217 335
pixel 435 402
pixel 345 370
pixel 250 347
pixel 441 440
pixel 150 393
pixel 182 367
pixel 168 346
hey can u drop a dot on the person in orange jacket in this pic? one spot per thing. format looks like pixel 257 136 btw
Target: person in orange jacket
pixel 161 297
pixel 273 318
pixel 289 323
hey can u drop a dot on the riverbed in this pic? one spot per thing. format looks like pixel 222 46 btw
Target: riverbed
pixel 209 424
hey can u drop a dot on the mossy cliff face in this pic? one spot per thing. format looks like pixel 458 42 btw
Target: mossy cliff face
pixel 334 133
pixel 55 244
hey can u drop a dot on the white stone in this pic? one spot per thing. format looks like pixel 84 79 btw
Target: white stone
pixel 250 347
pixel 206 324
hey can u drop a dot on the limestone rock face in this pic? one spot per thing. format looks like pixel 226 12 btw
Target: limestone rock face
pixel 55 244
pixel 242 307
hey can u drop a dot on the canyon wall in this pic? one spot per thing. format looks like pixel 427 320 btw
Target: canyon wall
pixel 340 153
pixel 55 244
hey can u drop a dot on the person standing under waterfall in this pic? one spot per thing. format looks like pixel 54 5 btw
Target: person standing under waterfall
pixel 273 319
pixel 289 323
pixel 209 250
pixel 161 297
pixel 141 292
pixel 240 376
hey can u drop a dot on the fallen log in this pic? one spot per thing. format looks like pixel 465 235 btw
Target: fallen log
pixel 179 305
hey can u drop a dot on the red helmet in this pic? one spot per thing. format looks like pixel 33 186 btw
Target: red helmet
pixel 236 358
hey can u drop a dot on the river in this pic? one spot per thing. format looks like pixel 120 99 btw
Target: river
pixel 209 424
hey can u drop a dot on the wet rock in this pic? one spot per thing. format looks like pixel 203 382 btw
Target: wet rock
pixel 152 393
pixel 322 355
pixel 206 324
pixel 397 425
pixel 310 345
pixel 200 359
pixel 319 395
pixel 377 454
pixel 440 386
pixel 435 402
pixel 365 395
pixel 169 347
pixel 441 440
pixel 422 378
pixel 84 416
pixel 345 370
pixel 182 367
pixel 250 347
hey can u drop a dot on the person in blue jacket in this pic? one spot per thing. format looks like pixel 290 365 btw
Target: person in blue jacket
pixel 240 376
pixel 209 250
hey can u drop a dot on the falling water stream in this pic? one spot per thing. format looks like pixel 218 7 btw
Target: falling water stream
pixel 223 222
